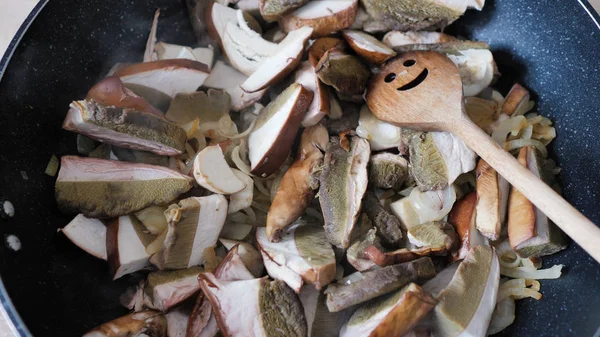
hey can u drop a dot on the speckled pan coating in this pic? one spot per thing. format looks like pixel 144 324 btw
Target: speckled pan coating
pixel 553 47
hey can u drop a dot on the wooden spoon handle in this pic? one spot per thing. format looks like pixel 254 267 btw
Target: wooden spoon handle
pixel 565 216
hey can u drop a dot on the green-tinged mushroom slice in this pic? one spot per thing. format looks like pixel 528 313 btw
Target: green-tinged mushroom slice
pixel 387 224
pixel 378 282
pixel 320 321
pixel 345 73
pixel 266 308
pixel 343 184
pixel 166 289
pixel 106 188
pixel 303 255
pixel 138 324
pixel 391 315
pixel 388 171
pixel 439 236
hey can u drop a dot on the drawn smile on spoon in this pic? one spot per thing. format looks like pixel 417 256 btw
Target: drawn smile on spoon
pixel 415 82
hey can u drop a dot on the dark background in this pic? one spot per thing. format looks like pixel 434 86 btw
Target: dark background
pixel 552 47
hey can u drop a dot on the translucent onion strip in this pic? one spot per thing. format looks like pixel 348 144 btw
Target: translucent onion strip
pixel 527 273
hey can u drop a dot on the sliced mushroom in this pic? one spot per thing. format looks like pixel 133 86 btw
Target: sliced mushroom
pixel 106 188
pixel 421 207
pixel 229 79
pixel 477 69
pixel 272 10
pixel 194 227
pixel 281 63
pixel 355 253
pixel 459 158
pixel 381 135
pixel 345 73
pixel 126 241
pixel 169 76
pixel 530 231
pixel 368 47
pixel 462 217
pixel 207 106
pixel 177 321
pixel 388 171
pixel 388 226
pixel 303 255
pixel 155 98
pixel 482 112
pixel 320 321
pixel 217 16
pixel 439 236
pixel 378 282
pixel 212 172
pixel 325 16
pixel 111 91
pixel 492 199
pixel 306 75
pixel 396 38
pixel 149 52
pixel 275 34
pixel 87 234
pixel 272 305
pixel 249 255
pixel 516 100
pixel 343 184
pixel 138 324
pixel 392 315
pixel 166 51
pixel 296 189
pixel 271 140
pixel 476 279
pixel 166 289
pixel 243 198
pixel 321 45
pixel 135 156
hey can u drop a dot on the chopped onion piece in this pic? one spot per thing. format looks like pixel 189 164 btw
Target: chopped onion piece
pixel 52 166
pixel 519 143
pixel 527 273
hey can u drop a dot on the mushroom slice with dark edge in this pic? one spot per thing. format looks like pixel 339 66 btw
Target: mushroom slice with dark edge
pixel 126 242
pixel 296 189
pixel 396 38
pixel 319 108
pixel 113 114
pixel 355 253
pixel 345 73
pixel 321 45
pixel 304 255
pixel 217 16
pixel 492 200
pixel 388 226
pixel 165 289
pixel 320 321
pixel 465 306
pixel 530 231
pixel 138 324
pixel 343 184
pixel 388 171
pixel 256 307
pixel 167 51
pixel 462 217
pixel 224 77
pixel 87 234
pixel 276 67
pixel 368 47
pixel 393 315
pixel 439 236
pixel 241 199
pixel 516 99
pixel 212 172
pixel 135 156
pixel 107 188
pixel 169 76
pixel 276 126
pixel 325 16
pixel 194 227
pixel 207 106
pixel 272 10
pixel 378 282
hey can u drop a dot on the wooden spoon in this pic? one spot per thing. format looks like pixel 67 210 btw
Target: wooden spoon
pixel 423 90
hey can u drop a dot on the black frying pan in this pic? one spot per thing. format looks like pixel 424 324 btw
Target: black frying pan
pixel 552 47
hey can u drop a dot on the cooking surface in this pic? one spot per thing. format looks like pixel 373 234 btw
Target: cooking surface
pixel 551 47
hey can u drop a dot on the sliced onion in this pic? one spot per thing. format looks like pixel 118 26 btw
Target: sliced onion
pixel 508 126
pixel 523 272
pixel 503 316
pixel 239 163
pixel 433 205
pixel 250 214
pixel 52 166
pixel 519 143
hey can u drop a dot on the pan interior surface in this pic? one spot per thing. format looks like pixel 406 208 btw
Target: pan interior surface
pixel 551 47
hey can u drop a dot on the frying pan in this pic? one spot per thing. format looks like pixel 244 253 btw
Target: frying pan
pixel 552 47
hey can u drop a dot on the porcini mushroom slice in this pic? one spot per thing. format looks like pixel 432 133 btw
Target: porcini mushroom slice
pixel 388 226
pixel 368 47
pixel 144 323
pixel 207 106
pixel 476 68
pixel 355 253
pixel 320 321
pixel 421 207
pixel 169 76
pixel 516 100
pixel 477 279
pixel 166 51
pixel 388 171
pixel 492 198
pixel 381 135
pixel 304 251
pixel 462 217
pixel 212 172
pixel 439 236
pixel 378 282
pixel 111 91
pixel 166 289
pixel 321 45
pixel 126 242
pixel 249 255
pixel 224 77
pixel 271 140
pixel 271 306
pixel 194 227
pixel 345 73
pixel 242 199
pixel 325 16
pixel 459 158
pixel 396 38
pixel 392 315
pixel 87 234
pixel 530 231
pixel 272 10
pixel 306 75
pixel 107 188
pixel 296 189
pixel 281 63
pixel 343 184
